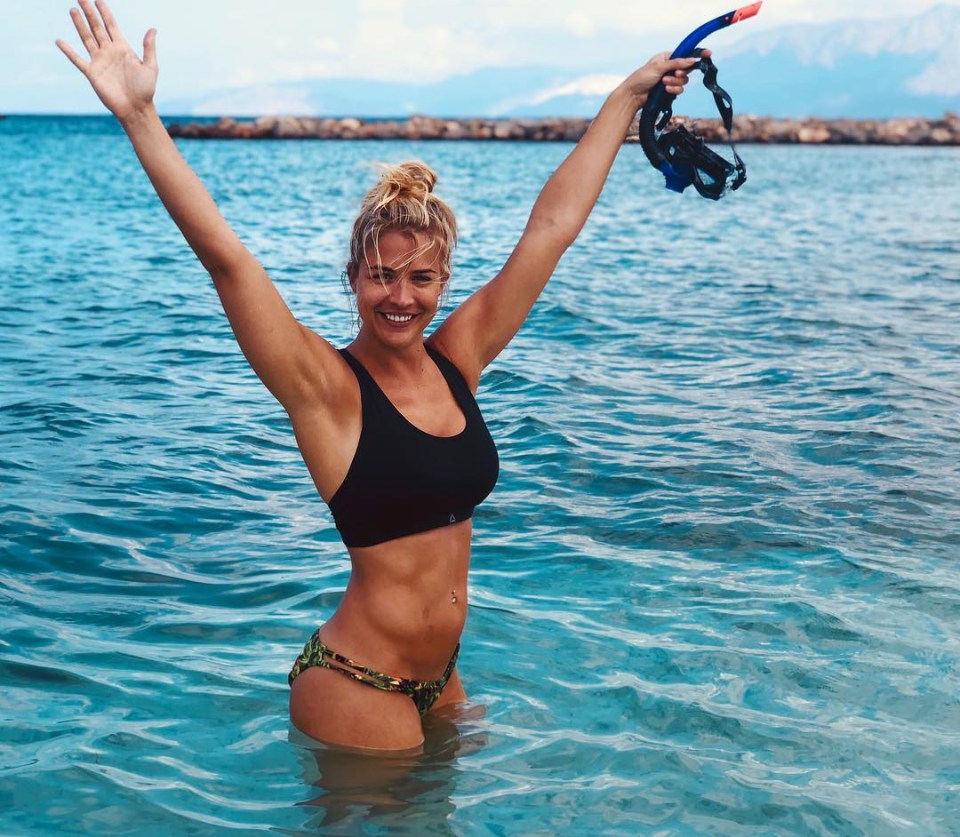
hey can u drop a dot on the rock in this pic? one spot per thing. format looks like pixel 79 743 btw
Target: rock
pixel 813 133
pixel 288 128
pixel 747 129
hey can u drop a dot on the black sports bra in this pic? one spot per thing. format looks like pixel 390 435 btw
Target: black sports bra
pixel 402 480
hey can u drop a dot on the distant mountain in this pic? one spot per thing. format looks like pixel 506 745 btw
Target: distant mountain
pixel 907 66
pixel 480 93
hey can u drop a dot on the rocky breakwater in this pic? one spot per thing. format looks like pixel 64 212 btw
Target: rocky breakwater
pixel 413 128
pixel 747 129
pixel 812 131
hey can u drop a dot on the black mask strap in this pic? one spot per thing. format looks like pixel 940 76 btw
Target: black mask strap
pixel 725 106
pixel 687 153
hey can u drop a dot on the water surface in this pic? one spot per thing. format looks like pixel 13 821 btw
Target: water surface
pixel 715 590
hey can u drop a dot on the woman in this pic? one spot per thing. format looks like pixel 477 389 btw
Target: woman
pixel 388 427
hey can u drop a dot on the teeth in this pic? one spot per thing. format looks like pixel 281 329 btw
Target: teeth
pixel 399 318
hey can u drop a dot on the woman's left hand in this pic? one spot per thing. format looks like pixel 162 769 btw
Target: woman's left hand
pixel 672 71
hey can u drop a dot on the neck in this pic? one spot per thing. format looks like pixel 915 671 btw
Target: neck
pixel 401 362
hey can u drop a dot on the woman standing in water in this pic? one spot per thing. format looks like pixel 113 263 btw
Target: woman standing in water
pixel 388 427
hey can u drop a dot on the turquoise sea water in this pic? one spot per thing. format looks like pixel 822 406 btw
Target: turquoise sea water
pixel 716 588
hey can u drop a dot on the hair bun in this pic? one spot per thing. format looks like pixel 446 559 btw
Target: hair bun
pixel 412 180
pixel 403 200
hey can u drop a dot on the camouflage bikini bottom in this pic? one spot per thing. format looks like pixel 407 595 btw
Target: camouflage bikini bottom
pixel 423 693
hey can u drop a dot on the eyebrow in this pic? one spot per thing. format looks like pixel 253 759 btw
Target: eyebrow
pixel 383 269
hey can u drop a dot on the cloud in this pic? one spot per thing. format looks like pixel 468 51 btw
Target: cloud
pixel 581 23
pixel 327 45
pixel 939 79
pixel 595 85
pixel 589 85
pixel 206 45
pixel 389 39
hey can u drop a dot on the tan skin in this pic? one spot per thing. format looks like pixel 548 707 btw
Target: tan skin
pixel 398 614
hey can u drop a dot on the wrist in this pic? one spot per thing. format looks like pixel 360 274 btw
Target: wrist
pixel 137 116
pixel 628 98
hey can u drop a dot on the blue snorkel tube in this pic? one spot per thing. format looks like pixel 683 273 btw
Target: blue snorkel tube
pixel 682 157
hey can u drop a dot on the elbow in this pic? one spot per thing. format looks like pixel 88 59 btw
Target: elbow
pixel 224 264
pixel 559 231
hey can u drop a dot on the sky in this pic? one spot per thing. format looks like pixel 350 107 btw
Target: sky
pixel 208 45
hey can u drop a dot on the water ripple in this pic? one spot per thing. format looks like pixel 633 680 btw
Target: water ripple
pixel 714 591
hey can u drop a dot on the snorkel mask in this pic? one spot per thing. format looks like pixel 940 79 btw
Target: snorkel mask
pixel 682 156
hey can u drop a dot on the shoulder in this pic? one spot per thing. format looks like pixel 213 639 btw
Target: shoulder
pixel 330 384
pixel 440 343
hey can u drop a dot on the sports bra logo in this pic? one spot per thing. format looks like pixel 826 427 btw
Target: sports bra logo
pixel 453 518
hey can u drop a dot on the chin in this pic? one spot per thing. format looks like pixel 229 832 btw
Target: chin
pixel 397 339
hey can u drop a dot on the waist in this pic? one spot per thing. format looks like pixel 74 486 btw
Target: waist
pixel 387 641
pixel 406 603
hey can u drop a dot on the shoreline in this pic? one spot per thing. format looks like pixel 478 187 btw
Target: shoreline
pixel 943 131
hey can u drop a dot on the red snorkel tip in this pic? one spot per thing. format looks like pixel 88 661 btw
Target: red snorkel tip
pixel 746 11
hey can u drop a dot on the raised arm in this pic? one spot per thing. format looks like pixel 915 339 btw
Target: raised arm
pixel 288 358
pixel 482 326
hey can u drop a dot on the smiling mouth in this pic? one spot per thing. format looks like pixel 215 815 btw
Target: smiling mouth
pixel 398 319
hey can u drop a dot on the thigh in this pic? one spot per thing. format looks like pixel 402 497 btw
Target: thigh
pixel 453 692
pixel 337 709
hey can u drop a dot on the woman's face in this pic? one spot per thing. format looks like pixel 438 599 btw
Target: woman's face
pixel 397 296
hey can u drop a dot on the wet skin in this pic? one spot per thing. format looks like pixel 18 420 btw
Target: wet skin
pixel 406 602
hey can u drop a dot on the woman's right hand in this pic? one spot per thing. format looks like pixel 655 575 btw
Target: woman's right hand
pixel 124 83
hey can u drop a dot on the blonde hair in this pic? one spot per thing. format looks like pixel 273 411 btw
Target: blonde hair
pixel 403 200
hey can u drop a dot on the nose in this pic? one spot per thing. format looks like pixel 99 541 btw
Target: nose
pixel 401 292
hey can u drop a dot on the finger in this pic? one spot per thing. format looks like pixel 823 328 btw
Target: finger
pixel 681 63
pixel 78 21
pixel 674 82
pixel 110 22
pixel 96 25
pixel 150 49
pixel 75 59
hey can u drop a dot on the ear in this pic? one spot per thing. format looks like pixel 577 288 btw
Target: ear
pixel 352 275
